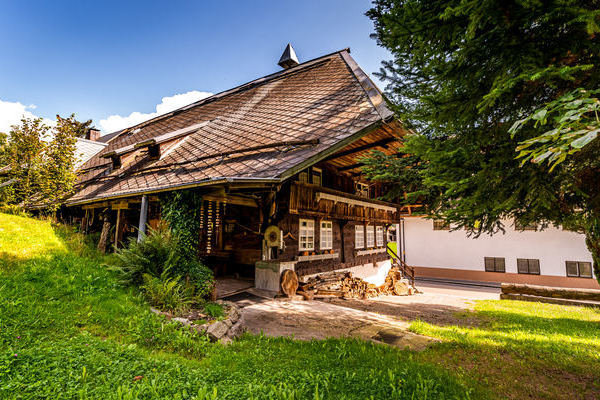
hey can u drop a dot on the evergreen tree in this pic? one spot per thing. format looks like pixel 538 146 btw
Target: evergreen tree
pixel 463 73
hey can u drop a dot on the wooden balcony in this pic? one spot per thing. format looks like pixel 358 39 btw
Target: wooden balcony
pixel 313 200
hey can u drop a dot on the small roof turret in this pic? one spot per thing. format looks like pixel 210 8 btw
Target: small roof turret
pixel 288 58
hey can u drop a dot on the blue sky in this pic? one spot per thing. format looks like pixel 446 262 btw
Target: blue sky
pixel 104 58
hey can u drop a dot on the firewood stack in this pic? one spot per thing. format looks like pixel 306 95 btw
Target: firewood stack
pixel 344 285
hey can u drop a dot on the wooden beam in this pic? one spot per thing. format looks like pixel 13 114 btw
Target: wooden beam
pixel 355 150
pixel 255 148
pixel 349 167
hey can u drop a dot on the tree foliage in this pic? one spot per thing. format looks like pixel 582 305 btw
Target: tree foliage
pixel 464 72
pixel 39 161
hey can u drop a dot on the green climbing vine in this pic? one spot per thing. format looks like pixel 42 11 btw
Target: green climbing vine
pixel 181 210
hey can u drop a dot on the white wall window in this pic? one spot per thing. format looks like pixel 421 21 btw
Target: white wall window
pixel 359 236
pixel 326 240
pixel 440 225
pixel 379 235
pixel 370 236
pixel 306 238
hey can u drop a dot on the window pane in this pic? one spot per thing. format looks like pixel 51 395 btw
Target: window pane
pixel 534 267
pixel 522 266
pixel 500 264
pixel 489 264
pixel 572 268
pixel 585 269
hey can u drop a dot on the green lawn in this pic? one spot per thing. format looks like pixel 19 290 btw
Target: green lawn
pixel 69 330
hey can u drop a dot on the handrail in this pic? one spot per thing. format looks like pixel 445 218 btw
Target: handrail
pixel 408 271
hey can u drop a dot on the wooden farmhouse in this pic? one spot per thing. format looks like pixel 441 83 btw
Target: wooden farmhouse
pixel 276 163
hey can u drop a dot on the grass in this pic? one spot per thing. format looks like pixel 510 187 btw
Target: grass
pixel 523 349
pixel 70 330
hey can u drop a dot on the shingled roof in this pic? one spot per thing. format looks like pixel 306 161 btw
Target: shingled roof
pixel 262 131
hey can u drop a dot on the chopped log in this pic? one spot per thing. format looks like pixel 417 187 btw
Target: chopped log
pixel 555 292
pixel 308 295
pixel 289 282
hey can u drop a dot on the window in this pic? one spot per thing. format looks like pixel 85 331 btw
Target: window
pixel 362 189
pixel 527 227
pixel 317 176
pixel 359 236
pixel 379 235
pixel 303 176
pixel 370 236
pixel 326 241
pixel 528 266
pixel 440 225
pixel 581 269
pixel 495 264
pixel 307 234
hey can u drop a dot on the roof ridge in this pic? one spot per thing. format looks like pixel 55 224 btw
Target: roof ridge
pixel 235 89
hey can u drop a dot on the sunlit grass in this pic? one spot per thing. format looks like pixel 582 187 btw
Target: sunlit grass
pixel 23 238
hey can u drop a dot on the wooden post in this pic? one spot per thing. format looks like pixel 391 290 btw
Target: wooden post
pixel 143 218
pixel 117 228
pixel 105 230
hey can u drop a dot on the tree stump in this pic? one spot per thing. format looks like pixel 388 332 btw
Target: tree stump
pixel 289 282
pixel 105 231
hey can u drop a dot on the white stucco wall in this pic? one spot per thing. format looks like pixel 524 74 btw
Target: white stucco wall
pixel 425 247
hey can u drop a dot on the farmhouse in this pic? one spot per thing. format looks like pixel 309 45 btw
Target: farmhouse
pixel 275 162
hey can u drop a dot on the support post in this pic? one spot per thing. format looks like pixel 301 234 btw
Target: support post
pixel 105 230
pixel 117 228
pixel 143 218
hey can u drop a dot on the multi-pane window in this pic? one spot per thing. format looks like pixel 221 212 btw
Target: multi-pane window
pixel 317 176
pixel 581 269
pixel 370 236
pixel 359 236
pixel 303 176
pixel 495 264
pixel 440 225
pixel 528 266
pixel 326 241
pixel 307 234
pixel 362 189
pixel 379 235
pixel 519 226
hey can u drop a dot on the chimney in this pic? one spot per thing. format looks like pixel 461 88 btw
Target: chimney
pixel 93 134
pixel 288 58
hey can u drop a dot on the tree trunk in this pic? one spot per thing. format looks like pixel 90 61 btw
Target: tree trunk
pixel 105 231
pixel 592 240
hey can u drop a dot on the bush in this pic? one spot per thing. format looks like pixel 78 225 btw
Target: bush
pixel 153 255
pixel 214 310
pixel 168 277
pixel 167 292
pixel 13 209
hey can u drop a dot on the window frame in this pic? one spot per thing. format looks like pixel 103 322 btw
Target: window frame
pixel 529 261
pixel 379 236
pixel 370 236
pixel 359 229
pixel 496 261
pixel 303 176
pixel 362 190
pixel 307 231
pixel 328 233
pixel 440 225
pixel 314 172
pixel 577 265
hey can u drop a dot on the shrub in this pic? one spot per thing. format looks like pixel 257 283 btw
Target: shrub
pixel 167 292
pixel 13 209
pixel 156 253
pixel 162 269
pixel 214 310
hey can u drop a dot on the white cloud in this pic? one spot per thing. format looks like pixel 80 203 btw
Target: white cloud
pixel 116 122
pixel 12 112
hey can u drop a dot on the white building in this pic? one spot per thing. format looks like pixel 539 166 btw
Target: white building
pixel 552 257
